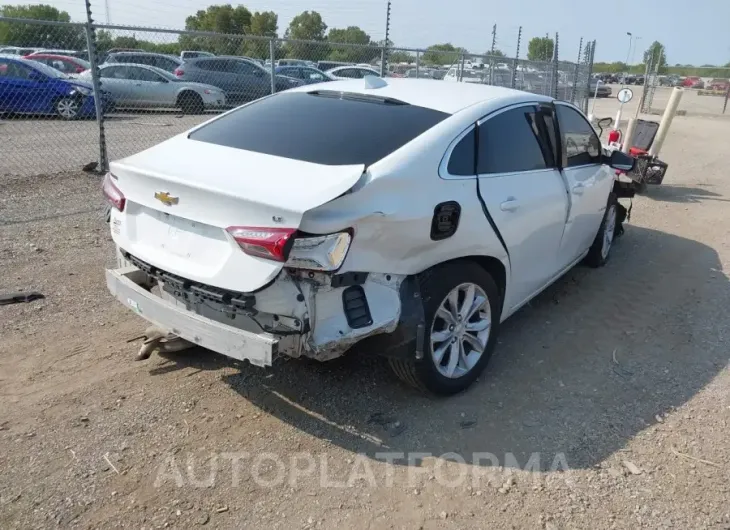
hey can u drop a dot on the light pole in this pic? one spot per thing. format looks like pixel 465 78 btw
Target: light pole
pixel 633 51
pixel 628 56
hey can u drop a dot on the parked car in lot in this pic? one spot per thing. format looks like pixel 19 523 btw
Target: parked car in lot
pixel 142 86
pixel 240 79
pixel 604 91
pixel 307 75
pixel 190 54
pixel 78 54
pixel 30 87
pixel 63 63
pixel 329 65
pixel 257 240
pixel 296 62
pixel 352 72
pixel 693 82
pixel 468 75
pixel 166 62
pixel 719 84
pixel 18 50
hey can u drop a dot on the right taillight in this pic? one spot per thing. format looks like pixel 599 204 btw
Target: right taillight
pixel 112 194
pixel 179 72
pixel 319 253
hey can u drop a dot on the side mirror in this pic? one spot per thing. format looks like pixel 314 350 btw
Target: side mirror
pixel 621 161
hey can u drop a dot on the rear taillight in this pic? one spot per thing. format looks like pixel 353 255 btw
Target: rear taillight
pixel 319 253
pixel 179 72
pixel 112 193
pixel 269 243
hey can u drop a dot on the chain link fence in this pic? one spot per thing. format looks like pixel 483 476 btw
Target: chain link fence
pixel 155 83
pixel 707 89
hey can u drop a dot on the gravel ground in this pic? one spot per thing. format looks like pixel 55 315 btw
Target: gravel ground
pixel 606 404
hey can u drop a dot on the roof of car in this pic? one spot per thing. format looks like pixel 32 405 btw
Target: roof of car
pixel 49 56
pixel 174 57
pixel 353 66
pixel 442 96
pixel 145 66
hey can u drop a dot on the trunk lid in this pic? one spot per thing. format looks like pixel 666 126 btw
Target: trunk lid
pixel 182 194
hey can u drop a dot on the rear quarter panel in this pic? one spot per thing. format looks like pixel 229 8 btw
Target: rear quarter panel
pixel 392 208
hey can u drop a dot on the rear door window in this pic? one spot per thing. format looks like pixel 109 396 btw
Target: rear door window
pixel 511 141
pixel 282 126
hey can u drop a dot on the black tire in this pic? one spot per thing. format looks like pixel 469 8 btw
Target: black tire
pixel 597 256
pixel 191 102
pixel 435 285
pixel 67 108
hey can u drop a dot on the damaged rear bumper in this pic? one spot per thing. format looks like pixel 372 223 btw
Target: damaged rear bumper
pixel 301 313
pixel 126 285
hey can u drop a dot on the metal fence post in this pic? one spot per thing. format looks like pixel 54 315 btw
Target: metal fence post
pixel 727 93
pixel 272 57
pixel 555 69
pixel 591 56
pixel 418 63
pixel 575 77
pixel 515 63
pixel 460 77
pixel 96 84
pixel 382 61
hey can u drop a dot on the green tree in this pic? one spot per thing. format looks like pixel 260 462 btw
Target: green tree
pixel 219 19
pixel 15 34
pixel 354 54
pixel 540 49
pixel 263 24
pixel 442 54
pixel 307 26
pixel 495 53
pixel 654 53
pixel 401 56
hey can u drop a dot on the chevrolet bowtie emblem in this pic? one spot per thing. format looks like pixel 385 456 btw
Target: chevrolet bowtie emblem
pixel 166 199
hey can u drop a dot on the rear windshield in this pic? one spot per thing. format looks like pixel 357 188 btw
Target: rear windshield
pixel 330 128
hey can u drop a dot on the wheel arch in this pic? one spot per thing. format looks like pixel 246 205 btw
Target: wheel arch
pixel 186 91
pixel 494 266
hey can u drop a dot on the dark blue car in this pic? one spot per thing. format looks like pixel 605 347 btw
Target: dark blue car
pixel 305 74
pixel 30 87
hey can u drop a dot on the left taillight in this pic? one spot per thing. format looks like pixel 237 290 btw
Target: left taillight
pixel 112 194
pixel 296 250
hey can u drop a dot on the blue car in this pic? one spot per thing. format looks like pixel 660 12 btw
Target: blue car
pixel 305 74
pixel 30 87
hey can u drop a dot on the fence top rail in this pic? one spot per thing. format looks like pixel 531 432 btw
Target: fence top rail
pixel 41 22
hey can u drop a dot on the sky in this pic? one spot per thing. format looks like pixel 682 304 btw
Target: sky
pixel 694 32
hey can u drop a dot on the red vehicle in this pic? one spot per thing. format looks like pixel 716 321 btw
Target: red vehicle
pixel 693 82
pixel 62 63
pixel 720 84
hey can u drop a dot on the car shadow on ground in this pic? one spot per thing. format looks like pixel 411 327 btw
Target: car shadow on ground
pixel 682 194
pixel 580 371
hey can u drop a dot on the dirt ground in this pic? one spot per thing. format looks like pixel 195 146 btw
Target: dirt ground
pixel 606 404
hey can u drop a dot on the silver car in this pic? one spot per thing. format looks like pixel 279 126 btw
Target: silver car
pixel 143 86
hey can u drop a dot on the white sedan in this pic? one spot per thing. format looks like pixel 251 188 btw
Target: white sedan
pixel 417 215
pixel 352 72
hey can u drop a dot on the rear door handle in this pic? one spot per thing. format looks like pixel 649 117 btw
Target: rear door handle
pixel 510 205
pixel 578 189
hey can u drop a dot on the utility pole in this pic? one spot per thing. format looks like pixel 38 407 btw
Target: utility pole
pixel 106 10
pixel 494 39
pixel 384 55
